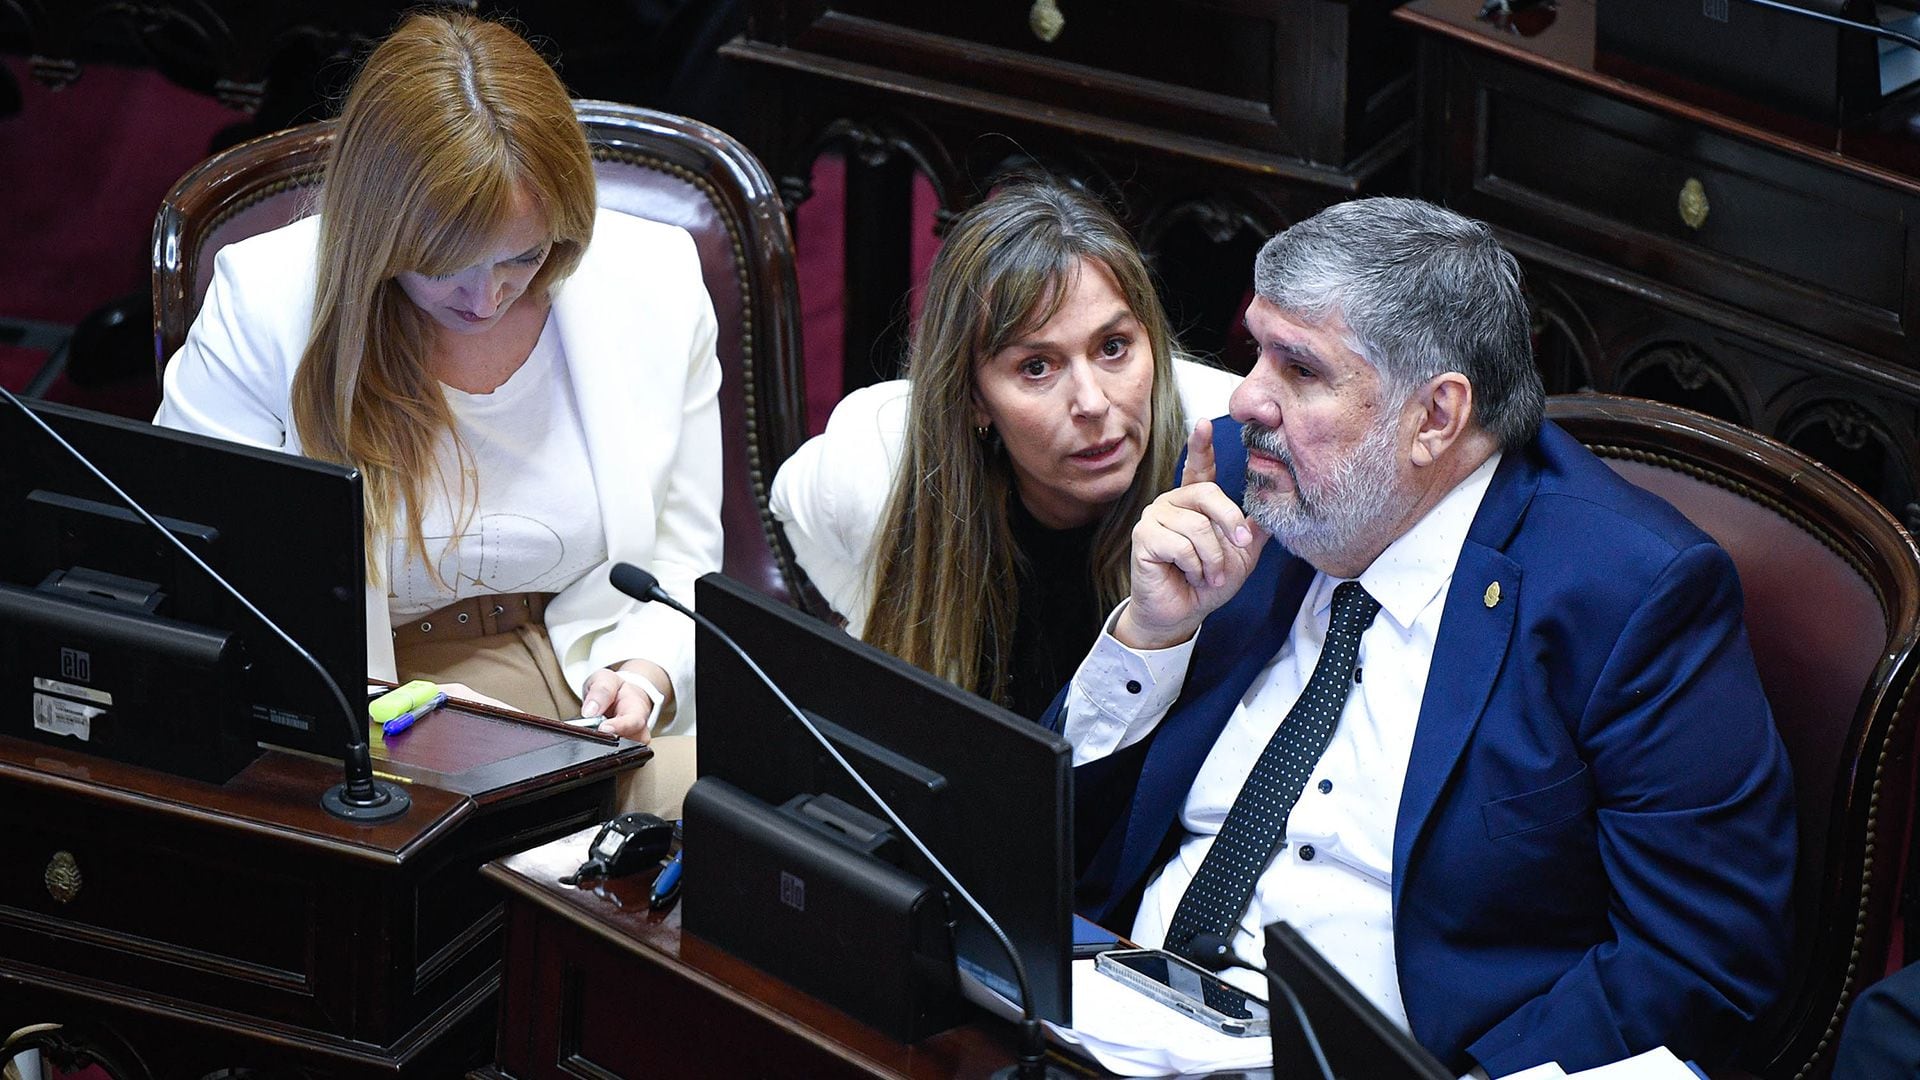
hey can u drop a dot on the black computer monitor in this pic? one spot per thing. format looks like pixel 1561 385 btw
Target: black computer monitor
pixel 988 791
pixel 1358 1039
pixel 111 642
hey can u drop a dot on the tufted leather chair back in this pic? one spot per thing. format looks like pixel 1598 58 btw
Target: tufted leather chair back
pixel 648 164
pixel 1832 586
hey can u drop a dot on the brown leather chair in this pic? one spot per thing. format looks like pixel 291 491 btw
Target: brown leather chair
pixel 1832 587
pixel 649 164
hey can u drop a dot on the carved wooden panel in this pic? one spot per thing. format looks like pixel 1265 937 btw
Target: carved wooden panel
pixel 1210 125
pixel 1700 252
pixel 232 49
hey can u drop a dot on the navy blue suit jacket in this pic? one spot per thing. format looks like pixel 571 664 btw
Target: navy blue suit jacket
pixel 1595 843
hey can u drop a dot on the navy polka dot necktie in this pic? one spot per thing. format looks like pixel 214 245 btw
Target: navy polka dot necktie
pixel 1222 888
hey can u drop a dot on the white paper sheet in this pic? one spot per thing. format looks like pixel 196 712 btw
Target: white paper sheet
pixel 1655 1064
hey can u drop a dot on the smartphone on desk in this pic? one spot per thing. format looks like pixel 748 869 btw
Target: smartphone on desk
pixel 1187 987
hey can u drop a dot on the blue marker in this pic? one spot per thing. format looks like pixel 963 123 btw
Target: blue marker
pixel 405 720
pixel 666 887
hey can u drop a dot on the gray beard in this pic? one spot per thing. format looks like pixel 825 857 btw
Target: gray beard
pixel 1328 523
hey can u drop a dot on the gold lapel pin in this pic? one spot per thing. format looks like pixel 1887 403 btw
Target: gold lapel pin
pixel 1492 595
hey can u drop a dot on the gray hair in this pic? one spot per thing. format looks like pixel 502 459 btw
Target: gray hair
pixel 1422 291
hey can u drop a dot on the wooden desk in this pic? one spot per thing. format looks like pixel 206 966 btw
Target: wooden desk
pixel 1685 244
pixel 597 984
pixel 240 925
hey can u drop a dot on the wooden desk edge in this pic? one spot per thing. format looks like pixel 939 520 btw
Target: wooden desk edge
pixel 521 887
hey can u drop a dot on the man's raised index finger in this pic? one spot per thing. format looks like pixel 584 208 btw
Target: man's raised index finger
pixel 1199 468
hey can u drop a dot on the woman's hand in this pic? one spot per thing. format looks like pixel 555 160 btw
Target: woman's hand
pixel 617 693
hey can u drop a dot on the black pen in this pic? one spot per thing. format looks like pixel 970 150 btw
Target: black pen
pixel 666 887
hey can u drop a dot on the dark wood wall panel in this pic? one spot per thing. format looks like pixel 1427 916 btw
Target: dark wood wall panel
pixel 1693 248
pixel 1210 124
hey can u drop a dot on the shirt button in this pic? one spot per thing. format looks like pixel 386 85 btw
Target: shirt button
pixel 1133 686
pixel 1306 852
pixel 1356 673
pixel 1326 786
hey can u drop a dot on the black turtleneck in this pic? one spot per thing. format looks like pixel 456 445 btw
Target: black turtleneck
pixel 1059 615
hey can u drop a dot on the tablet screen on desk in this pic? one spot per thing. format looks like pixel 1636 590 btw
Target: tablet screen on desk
pixel 451 741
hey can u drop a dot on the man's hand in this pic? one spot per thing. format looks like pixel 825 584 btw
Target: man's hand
pixel 1192 550
pixel 625 705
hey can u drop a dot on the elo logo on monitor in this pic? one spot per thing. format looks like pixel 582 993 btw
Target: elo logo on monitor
pixel 793 891
pixel 76 664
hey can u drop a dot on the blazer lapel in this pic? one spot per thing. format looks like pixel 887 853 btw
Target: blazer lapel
pixel 597 369
pixel 1466 660
pixel 1476 630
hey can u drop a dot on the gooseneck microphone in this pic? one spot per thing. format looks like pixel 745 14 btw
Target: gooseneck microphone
pixel 1880 32
pixel 358 797
pixel 644 587
pixel 1211 951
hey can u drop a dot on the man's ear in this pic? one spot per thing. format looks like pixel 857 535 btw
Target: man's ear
pixel 1446 410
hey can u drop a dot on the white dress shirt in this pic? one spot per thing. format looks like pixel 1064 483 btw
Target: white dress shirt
pixel 1333 877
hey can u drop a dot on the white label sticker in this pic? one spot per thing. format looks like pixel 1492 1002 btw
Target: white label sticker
pixel 58 716
pixel 84 693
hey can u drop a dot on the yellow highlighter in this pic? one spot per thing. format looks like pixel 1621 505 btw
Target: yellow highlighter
pixel 401 699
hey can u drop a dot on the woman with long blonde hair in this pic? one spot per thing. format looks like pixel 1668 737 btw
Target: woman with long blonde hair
pixel 527 384
pixel 974 517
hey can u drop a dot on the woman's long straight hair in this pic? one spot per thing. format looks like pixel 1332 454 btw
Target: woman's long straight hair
pixel 450 120
pixel 946 591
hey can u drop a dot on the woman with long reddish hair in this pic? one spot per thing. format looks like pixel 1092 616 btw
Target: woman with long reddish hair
pixel 526 383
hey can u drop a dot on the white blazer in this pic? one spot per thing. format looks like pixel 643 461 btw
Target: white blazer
pixel 637 329
pixel 830 494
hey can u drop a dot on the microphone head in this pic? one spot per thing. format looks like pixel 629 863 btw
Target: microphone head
pixel 634 581
pixel 1210 951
